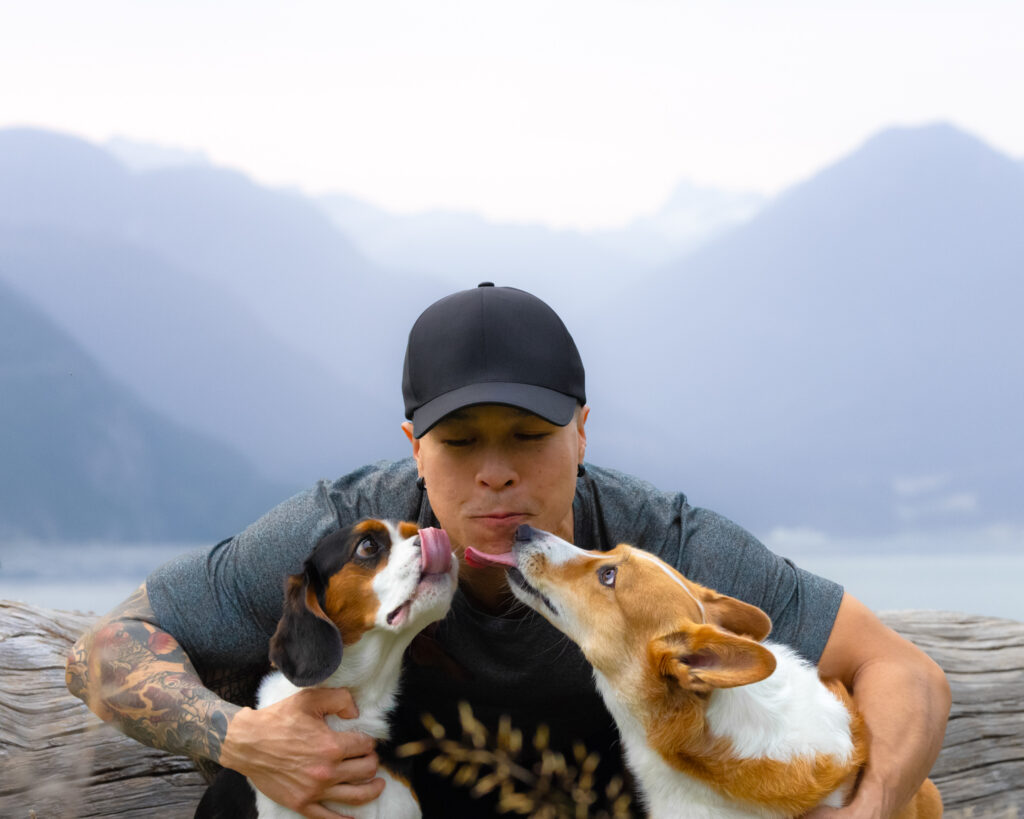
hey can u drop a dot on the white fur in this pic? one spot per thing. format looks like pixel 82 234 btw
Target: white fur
pixel 665 792
pixel 788 715
pixel 370 669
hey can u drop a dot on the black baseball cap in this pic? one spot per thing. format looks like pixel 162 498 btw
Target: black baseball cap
pixel 491 345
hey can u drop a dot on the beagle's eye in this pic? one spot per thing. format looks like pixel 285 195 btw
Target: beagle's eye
pixel 367 548
pixel 606 576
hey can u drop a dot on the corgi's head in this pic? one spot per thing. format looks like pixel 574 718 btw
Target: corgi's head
pixel 626 607
pixel 376 576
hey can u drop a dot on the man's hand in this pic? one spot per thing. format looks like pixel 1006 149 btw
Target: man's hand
pixel 868 803
pixel 290 754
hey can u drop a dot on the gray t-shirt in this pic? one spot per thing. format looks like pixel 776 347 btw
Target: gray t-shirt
pixel 223 604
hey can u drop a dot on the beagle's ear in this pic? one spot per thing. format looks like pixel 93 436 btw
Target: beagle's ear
pixel 705 657
pixel 306 646
pixel 736 616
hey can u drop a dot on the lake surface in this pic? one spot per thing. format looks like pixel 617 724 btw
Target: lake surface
pixel 97 576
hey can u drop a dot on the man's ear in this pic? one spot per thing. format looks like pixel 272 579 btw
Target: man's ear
pixel 581 432
pixel 703 657
pixel 407 429
pixel 736 616
pixel 306 646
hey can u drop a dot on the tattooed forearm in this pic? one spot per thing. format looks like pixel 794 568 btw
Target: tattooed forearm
pixel 133 674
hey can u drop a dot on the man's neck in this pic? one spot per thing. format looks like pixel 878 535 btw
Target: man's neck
pixel 487 590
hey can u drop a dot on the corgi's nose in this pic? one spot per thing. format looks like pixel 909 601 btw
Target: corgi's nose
pixel 524 533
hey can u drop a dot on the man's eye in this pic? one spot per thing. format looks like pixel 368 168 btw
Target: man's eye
pixel 367 548
pixel 532 436
pixel 607 576
pixel 457 442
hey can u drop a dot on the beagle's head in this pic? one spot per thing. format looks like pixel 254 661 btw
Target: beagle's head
pixel 632 614
pixel 374 576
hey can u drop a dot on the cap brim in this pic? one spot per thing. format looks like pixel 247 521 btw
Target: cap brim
pixel 551 405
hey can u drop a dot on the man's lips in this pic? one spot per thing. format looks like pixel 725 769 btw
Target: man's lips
pixel 504 522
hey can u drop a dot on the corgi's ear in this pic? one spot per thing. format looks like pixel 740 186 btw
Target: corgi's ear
pixel 705 657
pixel 736 616
pixel 306 646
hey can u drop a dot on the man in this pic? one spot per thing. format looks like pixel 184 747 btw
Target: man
pixel 496 407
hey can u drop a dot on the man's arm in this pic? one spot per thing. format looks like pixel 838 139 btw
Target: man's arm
pixel 130 672
pixel 904 698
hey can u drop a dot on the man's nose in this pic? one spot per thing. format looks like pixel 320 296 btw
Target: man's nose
pixel 496 473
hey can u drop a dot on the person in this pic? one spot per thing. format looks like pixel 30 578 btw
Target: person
pixel 496 412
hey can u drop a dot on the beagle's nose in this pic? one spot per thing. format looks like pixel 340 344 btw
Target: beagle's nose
pixel 524 533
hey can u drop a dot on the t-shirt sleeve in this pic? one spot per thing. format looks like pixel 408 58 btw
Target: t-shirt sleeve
pixel 222 604
pixel 710 550
pixel 715 552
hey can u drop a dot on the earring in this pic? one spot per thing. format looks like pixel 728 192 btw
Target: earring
pixel 581 470
pixel 421 483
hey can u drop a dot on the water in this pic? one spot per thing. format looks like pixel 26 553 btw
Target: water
pixel 97 576
pixel 990 584
pixel 79 576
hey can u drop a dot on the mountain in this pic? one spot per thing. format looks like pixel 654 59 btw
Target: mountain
pixel 465 248
pixel 240 311
pixel 83 458
pixel 273 251
pixel 850 358
pixel 143 156
pixel 193 353
pixel 691 216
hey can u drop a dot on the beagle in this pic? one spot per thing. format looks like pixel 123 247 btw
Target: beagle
pixel 714 722
pixel 363 594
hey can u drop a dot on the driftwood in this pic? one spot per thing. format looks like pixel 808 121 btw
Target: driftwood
pixel 58 760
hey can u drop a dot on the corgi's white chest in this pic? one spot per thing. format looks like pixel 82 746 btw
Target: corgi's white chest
pixel 788 715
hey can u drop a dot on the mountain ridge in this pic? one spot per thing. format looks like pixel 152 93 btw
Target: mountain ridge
pixel 85 459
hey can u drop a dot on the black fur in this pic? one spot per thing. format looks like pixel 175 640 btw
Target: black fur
pixel 306 646
pixel 229 796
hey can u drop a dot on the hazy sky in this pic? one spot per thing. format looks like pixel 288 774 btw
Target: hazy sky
pixel 575 113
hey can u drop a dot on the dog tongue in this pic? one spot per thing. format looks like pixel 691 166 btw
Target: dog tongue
pixel 480 560
pixel 435 551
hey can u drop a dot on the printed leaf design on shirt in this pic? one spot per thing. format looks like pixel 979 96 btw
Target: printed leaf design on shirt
pixel 552 788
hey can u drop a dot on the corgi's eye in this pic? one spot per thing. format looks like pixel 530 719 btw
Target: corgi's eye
pixel 606 576
pixel 367 548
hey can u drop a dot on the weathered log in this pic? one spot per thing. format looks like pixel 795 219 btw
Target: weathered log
pixel 58 760
pixel 980 771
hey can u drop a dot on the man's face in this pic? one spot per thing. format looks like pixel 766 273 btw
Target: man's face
pixel 491 468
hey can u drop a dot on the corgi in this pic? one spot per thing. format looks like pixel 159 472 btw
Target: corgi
pixel 714 721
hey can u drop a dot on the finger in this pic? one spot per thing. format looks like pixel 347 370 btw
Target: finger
pixel 352 745
pixel 357 769
pixel 318 811
pixel 354 793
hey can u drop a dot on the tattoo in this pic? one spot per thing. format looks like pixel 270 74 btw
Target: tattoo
pixel 131 673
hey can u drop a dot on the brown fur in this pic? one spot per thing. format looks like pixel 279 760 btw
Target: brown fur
pixel 691 649
pixel 352 621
